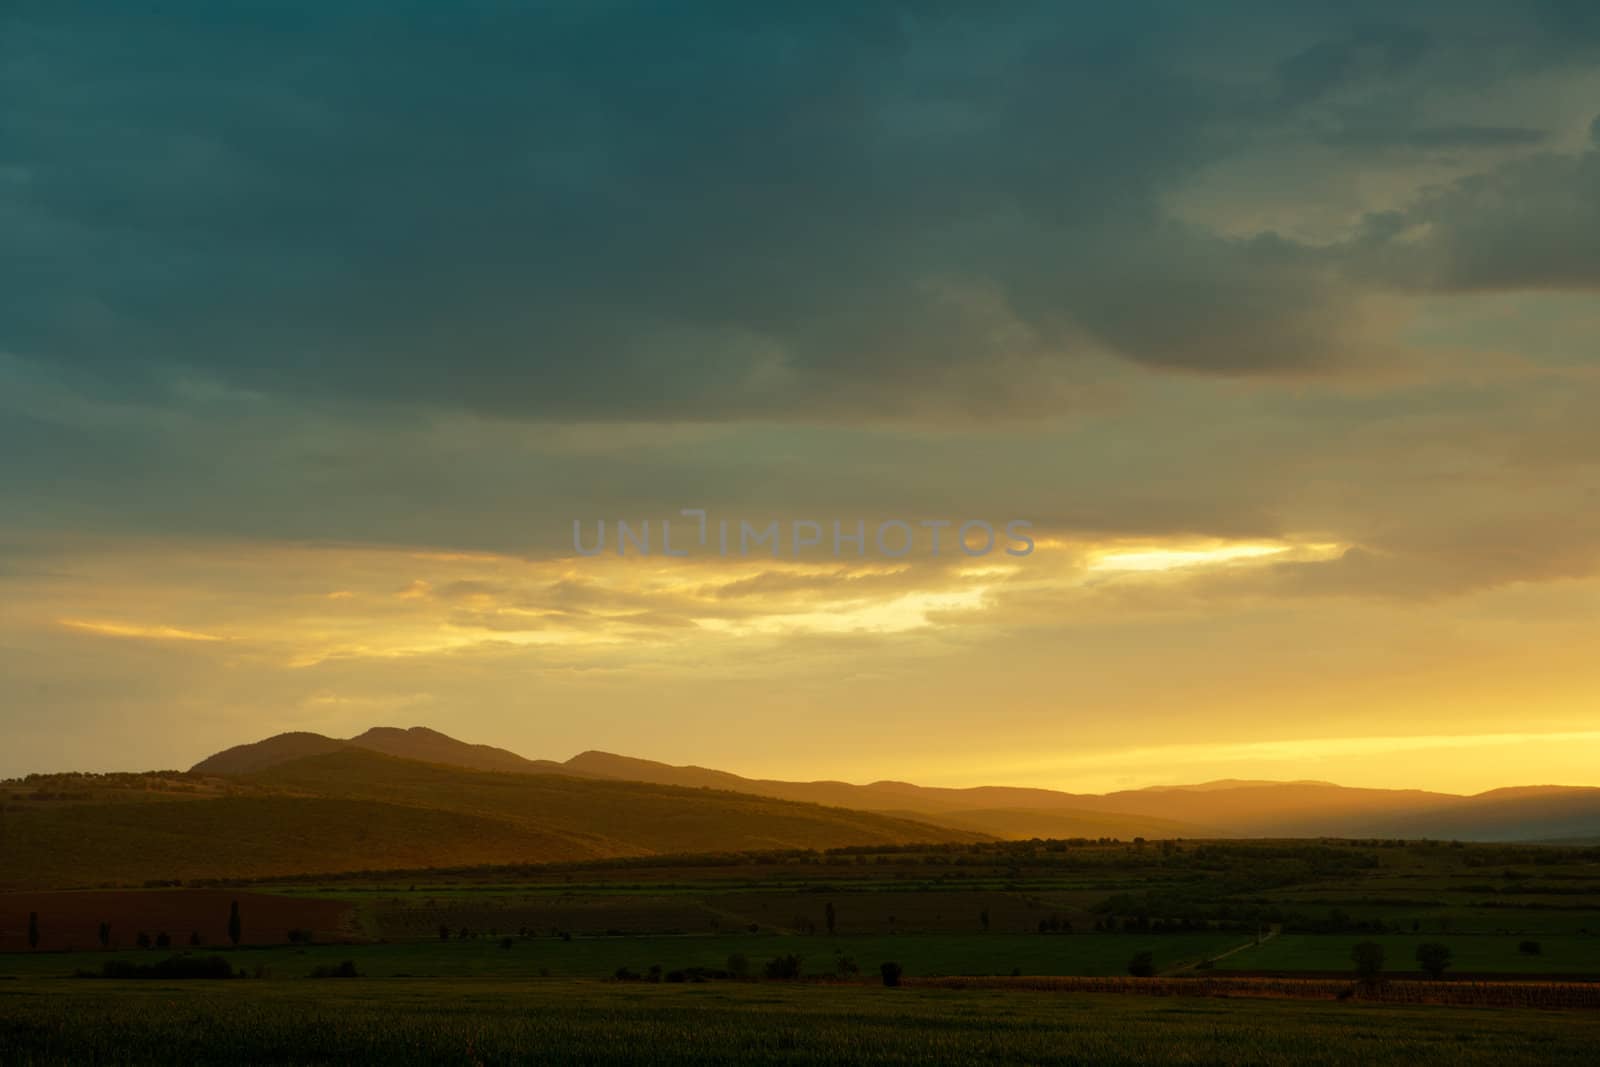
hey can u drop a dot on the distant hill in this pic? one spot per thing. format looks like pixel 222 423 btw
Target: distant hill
pixel 417 743
pixel 430 746
pixel 243 759
pixel 355 809
pixel 1225 808
pixel 1542 813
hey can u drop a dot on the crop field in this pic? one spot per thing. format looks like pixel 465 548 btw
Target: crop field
pixel 1009 951
pixel 600 957
pixel 430 1022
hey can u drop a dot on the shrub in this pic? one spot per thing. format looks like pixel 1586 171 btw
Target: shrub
pixel 347 969
pixel 299 937
pixel 1530 948
pixel 1143 965
pixel 783 967
pixel 739 965
pixel 891 972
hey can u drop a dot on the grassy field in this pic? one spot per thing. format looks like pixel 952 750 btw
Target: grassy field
pixel 600 957
pixel 1472 954
pixel 430 1022
pixel 528 981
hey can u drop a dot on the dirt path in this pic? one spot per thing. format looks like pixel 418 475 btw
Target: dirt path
pixel 1188 968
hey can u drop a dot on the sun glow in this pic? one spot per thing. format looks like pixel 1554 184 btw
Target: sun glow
pixel 1209 554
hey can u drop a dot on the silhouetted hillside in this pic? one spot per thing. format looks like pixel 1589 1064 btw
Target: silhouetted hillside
pixel 430 746
pixel 353 809
pixel 417 743
pixel 243 759
pixel 1226 808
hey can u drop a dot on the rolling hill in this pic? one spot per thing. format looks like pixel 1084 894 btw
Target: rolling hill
pixel 355 809
pixel 1226 808
pixel 416 743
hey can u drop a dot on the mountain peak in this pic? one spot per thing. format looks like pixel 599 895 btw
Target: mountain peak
pixel 418 743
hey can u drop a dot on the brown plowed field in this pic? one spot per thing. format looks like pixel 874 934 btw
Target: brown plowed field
pixel 71 920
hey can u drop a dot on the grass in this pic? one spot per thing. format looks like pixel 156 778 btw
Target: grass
pixel 600 957
pixel 426 1022
pixel 1473 953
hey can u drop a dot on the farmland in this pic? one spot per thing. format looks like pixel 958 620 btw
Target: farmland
pixel 490 1022
pixel 1007 950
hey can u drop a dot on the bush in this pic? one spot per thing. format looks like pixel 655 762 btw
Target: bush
pixel 299 937
pixel 891 973
pixel 507 942
pixel 1143 965
pixel 783 967
pixel 1530 948
pixel 739 965
pixel 347 969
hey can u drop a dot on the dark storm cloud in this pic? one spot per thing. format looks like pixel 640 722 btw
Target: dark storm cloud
pixel 1533 223
pixel 698 211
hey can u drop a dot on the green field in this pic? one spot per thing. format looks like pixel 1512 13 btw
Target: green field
pixel 428 1022
pixel 921 955
pixel 525 973
pixel 1472 954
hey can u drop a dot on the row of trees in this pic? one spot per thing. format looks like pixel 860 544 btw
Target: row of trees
pixel 161 940
pixel 1432 957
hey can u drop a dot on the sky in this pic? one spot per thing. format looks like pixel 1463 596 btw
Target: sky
pixel 321 324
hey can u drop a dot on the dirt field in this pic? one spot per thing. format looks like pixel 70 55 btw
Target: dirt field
pixel 71 920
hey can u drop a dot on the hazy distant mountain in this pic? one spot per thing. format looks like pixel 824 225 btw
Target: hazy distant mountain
pixel 1533 813
pixel 1224 808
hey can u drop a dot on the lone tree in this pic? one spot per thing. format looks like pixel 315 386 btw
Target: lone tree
pixel 33 929
pixel 1433 958
pixel 983 917
pixel 1143 965
pixel 105 934
pixel 1368 957
pixel 235 928
pixel 829 916
pixel 891 972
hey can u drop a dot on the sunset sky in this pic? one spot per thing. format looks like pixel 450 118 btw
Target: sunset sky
pixel 318 330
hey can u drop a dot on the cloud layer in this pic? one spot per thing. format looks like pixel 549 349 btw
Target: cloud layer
pixel 618 213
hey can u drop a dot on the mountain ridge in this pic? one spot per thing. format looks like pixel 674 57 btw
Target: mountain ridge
pixel 1219 808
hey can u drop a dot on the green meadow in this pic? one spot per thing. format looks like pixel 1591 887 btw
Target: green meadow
pixel 425 1022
